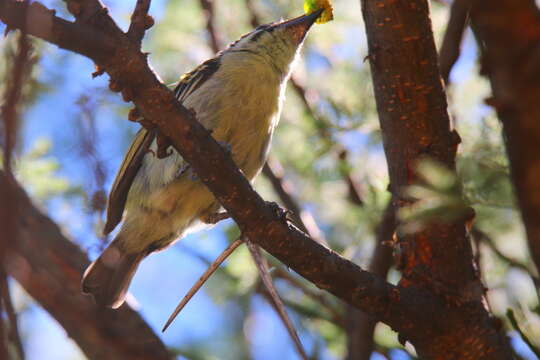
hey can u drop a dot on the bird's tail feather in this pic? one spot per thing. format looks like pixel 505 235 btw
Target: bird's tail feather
pixel 107 279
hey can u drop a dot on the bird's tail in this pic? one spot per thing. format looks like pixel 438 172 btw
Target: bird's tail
pixel 107 279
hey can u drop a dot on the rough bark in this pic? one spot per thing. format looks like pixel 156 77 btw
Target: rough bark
pixel 509 34
pixel 49 267
pixel 415 125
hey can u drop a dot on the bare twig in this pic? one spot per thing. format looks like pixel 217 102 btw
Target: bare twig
pixel 18 69
pixel 211 269
pixel 451 45
pixel 140 21
pixel 262 266
pixel 5 297
pixel 87 143
pixel 3 343
pixel 215 218
pixel 488 241
pixel 273 171
pixel 510 315
pixel 315 295
pixel 361 326
pixel 254 19
pixel 214 36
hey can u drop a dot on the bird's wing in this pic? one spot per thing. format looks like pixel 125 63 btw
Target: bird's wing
pixel 124 178
pixel 188 83
pixel 191 81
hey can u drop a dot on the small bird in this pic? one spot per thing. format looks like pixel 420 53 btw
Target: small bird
pixel 238 96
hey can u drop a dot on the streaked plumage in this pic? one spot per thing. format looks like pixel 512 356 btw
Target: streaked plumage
pixel 238 95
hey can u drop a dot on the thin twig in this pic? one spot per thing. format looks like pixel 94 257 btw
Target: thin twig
pixel 211 269
pixel 481 236
pixel 3 344
pixel 19 68
pixel 215 218
pixel 451 45
pixel 513 321
pixel 5 297
pixel 487 240
pixel 215 39
pixel 319 297
pixel 140 21
pixel 273 171
pixel 361 326
pixel 262 266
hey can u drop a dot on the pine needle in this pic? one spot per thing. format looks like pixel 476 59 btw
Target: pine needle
pixel 204 277
pixel 262 266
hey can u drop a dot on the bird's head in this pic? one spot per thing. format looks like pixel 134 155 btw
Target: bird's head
pixel 278 42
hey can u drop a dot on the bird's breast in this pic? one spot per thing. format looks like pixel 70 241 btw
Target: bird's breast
pixel 242 110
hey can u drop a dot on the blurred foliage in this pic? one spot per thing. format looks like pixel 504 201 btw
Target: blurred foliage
pixel 339 91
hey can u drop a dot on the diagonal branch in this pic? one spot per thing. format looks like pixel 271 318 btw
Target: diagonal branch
pixel 5 297
pixel 52 277
pixel 451 45
pixel 361 326
pixel 303 219
pixel 275 300
pixel 214 37
pixel 140 21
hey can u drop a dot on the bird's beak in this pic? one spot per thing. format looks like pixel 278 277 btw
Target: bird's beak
pixel 299 26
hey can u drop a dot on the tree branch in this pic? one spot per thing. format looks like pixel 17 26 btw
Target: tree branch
pixel 451 45
pixel 49 267
pixel 508 32
pixel 361 325
pixel 304 220
pixel 214 38
pixel 13 333
pixel 140 21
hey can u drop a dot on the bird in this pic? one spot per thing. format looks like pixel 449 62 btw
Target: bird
pixel 238 96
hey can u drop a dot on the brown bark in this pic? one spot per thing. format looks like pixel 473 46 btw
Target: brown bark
pixel 50 267
pixel 509 33
pixel 415 125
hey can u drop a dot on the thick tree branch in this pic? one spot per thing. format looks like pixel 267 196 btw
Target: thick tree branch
pixel 49 267
pixel 510 58
pixel 415 125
